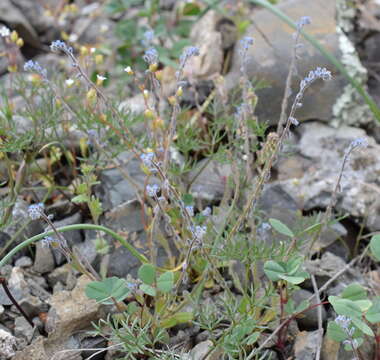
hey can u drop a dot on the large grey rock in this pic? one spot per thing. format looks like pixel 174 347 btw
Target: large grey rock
pixel 125 217
pixel 16 20
pixel 46 26
pixel 210 180
pixel 326 267
pixel 269 59
pixel 118 186
pixel 325 147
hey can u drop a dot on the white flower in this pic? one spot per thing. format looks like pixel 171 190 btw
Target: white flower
pixel 128 70
pixel 73 37
pixel 69 82
pixel 100 77
pixel 4 31
pixel 104 28
pixel 92 50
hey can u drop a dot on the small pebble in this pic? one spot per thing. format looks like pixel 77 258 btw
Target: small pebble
pixel 24 262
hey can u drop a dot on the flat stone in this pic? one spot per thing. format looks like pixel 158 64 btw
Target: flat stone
pixel 24 262
pixel 17 286
pixel 44 259
pixel 71 311
pixel 23 329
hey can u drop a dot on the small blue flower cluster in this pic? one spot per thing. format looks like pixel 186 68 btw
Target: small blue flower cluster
pixel 147 38
pixel 344 322
pixel 151 56
pixel 187 54
pixel 58 45
pixel 244 44
pixel 359 142
pixel 34 66
pixel 152 190
pixel 198 232
pixel 318 73
pixel 305 20
pixel 148 160
pixel 35 211
pixel 190 210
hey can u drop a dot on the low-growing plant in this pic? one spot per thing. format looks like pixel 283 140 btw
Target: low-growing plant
pixel 207 240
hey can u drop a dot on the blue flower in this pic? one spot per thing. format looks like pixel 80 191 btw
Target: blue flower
pixel 35 211
pixel 58 45
pixel 152 190
pixel 34 66
pixel 151 56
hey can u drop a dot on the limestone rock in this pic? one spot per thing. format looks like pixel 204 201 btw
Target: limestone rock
pixel 7 344
pixel 325 147
pixel 71 311
pixel 270 56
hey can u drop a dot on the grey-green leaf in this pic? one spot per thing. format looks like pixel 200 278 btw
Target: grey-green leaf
pixel 103 291
pixel 165 282
pixel 281 227
pixel 375 246
pixel 147 274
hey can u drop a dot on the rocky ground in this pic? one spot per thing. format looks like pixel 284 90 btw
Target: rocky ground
pixel 51 292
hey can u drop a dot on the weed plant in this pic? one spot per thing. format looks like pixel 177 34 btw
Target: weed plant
pixel 227 278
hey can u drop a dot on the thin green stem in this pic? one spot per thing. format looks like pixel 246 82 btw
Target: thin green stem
pixel 38 237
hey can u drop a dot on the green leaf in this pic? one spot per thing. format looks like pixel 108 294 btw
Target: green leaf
pixel 165 282
pixel 289 307
pixel 375 246
pixel 147 289
pixel 102 291
pixel 292 265
pixel 183 317
pixel 373 313
pixel 80 199
pixel 191 9
pixel 273 269
pixel 292 279
pixel 147 274
pixel 361 325
pixel 303 305
pixel 335 332
pixel 251 339
pixel 281 227
pixel 364 304
pixel 311 228
pixel 168 323
pixel 345 307
pixel 354 292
